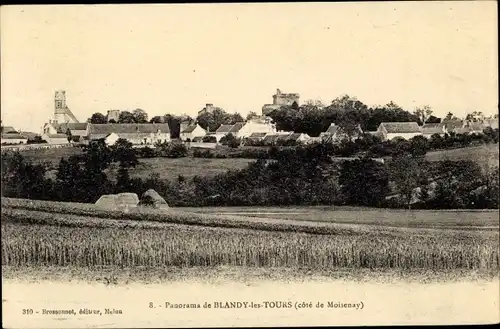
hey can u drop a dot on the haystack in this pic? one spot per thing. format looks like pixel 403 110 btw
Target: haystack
pixel 107 201
pixel 153 199
pixel 121 201
pixel 129 199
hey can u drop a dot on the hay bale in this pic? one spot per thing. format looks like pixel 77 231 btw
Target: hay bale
pixel 108 201
pixel 151 198
pixel 121 201
pixel 128 199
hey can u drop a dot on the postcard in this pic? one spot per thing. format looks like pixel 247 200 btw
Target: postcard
pixel 249 164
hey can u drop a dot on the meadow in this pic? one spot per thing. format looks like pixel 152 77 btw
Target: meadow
pixel 475 153
pixel 38 234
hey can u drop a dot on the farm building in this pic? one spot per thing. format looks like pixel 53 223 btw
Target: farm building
pixel 336 134
pixel 13 138
pixel 55 138
pixel 256 125
pixel 452 125
pixel 77 130
pixel 406 130
pixel 135 133
pixel 191 131
pixel 430 129
pixel 490 122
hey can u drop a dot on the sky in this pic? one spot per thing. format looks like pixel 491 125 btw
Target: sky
pixel 176 58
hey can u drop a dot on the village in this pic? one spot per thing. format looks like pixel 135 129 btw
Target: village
pixel 64 129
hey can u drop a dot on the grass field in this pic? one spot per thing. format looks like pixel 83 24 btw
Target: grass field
pixel 188 167
pixel 40 234
pixel 488 151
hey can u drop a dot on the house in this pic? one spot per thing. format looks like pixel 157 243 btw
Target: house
pixel 490 122
pixel 257 136
pixel 12 138
pixel 430 129
pixel 8 130
pixel 298 137
pixel 337 134
pixel 135 133
pixel 452 124
pixel 223 130
pixel 191 131
pixel 257 125
pixel 475 127
pixel 406 130
pixel 77 130
pixel 55 139
pixel 236 129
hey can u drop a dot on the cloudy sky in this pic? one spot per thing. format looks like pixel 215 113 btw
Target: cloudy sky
pixel 176 58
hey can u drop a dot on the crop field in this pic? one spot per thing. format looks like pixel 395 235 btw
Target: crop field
pixel 38 234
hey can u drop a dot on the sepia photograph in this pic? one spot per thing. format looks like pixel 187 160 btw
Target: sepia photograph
pixel 250 164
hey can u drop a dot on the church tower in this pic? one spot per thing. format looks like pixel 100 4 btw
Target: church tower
pixel 62 114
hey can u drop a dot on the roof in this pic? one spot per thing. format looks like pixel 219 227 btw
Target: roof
pixel 294 136
pixel 401 127
pixel 237 127
pixel 8 130
pixel 491 122
pixel 476 126
pixel 57 136
pixel 462 130
pixel 224 128
pixel 13 136
pixel 332 129
pixel 270 138
pixel 189 129
pixel 71 126
pixel 108 128
pixel 452 124
pixel 257 135
pixel 433 128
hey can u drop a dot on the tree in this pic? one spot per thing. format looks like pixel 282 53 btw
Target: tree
pixel 419 145
pixel 474 116
pixel 69 135
pixel 251 115
pixel 362 175
pixel 157 119
pixel 450 116
pixel 126 117
pixel 140 116
pixel 423 113
pixel 98 118
pixel 407 172
pixel 433 119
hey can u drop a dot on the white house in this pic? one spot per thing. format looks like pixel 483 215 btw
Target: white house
pixel 192 131
pixel 256 125
pixel 430 129
pixel 55 139
pixel 135 133
pixel 391 130
pixel 79 129
pixel 13 138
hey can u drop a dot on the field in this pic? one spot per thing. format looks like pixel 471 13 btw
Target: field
pixel 39 234
pixel 167 168
pixel 489 151
pixel 188 167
